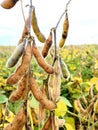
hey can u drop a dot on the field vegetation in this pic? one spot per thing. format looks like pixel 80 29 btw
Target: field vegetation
pixel 79 95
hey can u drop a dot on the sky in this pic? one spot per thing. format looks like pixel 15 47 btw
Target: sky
pixel 82 14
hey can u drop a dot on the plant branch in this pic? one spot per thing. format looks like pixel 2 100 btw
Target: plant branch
pixel 23 11
pixel 28 27
pixel 80 117
pixel 55 45
pixel 30 16
pixel 65 11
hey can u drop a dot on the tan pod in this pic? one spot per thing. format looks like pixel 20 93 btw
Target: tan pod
pixel 47 45
pixel 64 69
pixel 64 32
pixel 7 4
pixel 36 29
pixel 47 124
pixel 21 90
pixel 13 59
pixel 48 104
pixel 21 70
pixel 18 121
pixel 40 60
pixel 56 81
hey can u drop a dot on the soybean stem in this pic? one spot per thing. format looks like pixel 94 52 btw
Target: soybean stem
pixel 62 14
pixel 30 17
pixel 23 11
pixel 55 45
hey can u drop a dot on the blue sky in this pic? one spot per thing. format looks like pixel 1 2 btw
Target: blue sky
pixel 83 20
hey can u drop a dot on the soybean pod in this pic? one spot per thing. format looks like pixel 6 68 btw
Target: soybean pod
pixel 47 45
pixel 64 69
pixel 64 32
pixel 8 4
pixel 40 60
pixel 21 70
pixel 18 121
pixel 19 93
pixel 47 124
pixel 36 29
pixel 48 104
pixel 56 80
pixel 13 59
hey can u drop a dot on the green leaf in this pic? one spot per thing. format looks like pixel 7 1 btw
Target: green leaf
pixel 76 95
pixel 66 101
pixel 34 103
pixel 35 128
pixel 3 98
pixel 61 109
pixel 15 107
pixel 70 123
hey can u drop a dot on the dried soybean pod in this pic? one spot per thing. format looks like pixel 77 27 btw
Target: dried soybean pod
pixel 8 4
pixel 84 99
pixel 47 45
pixel 91 105
pixel 36 29
pixel 18 121
pixel 64 32
pixel 56 80
pixel 40 60
pixel 48 104
pixel 82 110
pixel 41 107
pixel 91 94
pixel 21 70
pixel 47 124
pixel 13 59
pixel 50 87
pixel 64 69
pixel 18 94
pixel 55 124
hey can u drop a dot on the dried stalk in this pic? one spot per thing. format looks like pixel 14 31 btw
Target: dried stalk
pixel 65 11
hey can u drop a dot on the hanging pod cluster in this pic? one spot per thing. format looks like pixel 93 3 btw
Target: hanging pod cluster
pixel 23 77
pixel 20 59
pixel 20 75
pixel 53 83
pixel 49 94
pixel 25 81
